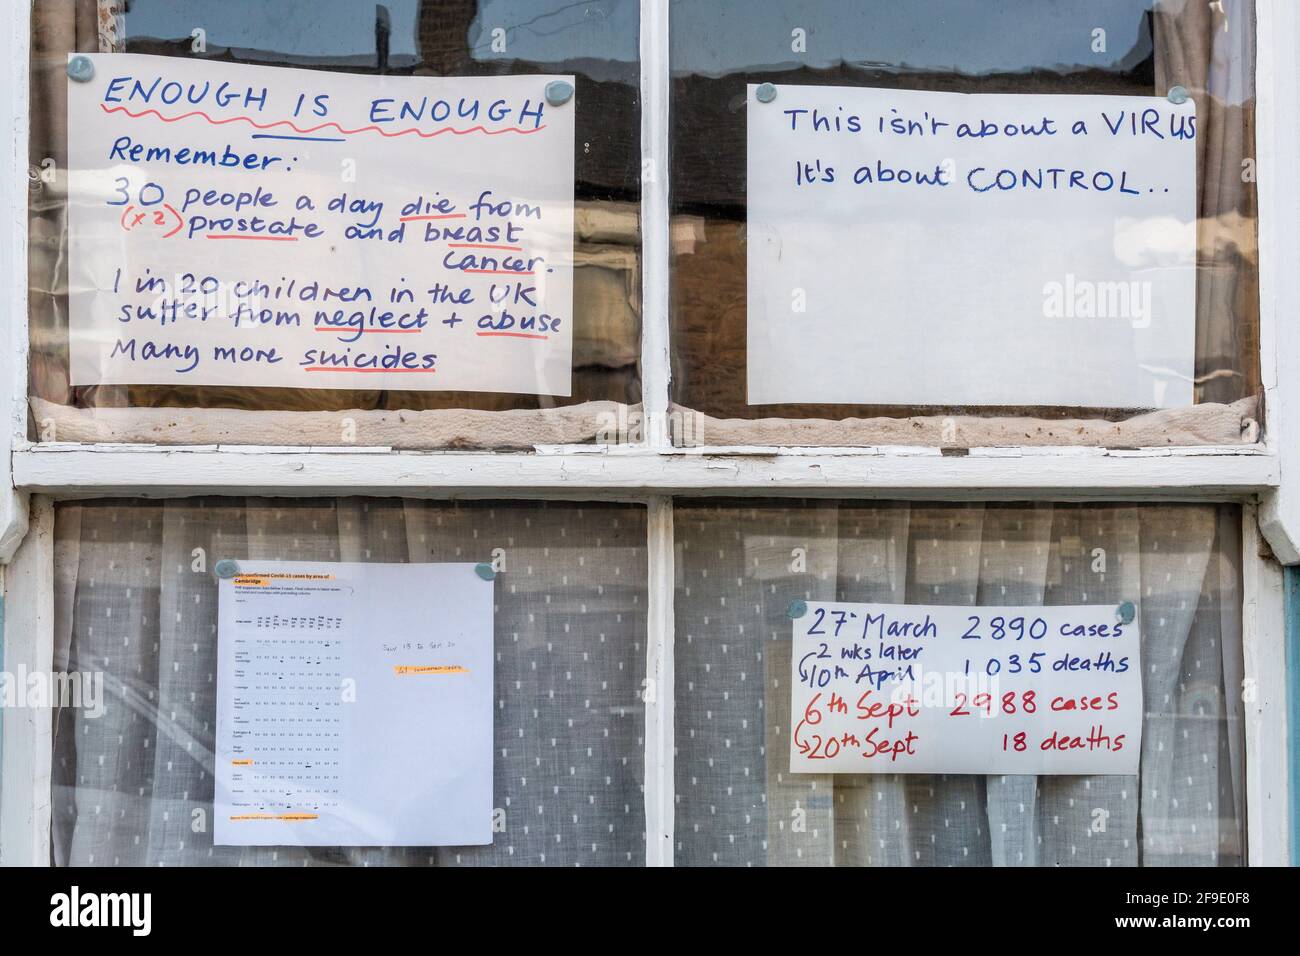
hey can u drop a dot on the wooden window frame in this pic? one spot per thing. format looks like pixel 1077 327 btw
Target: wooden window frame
pixel 653 472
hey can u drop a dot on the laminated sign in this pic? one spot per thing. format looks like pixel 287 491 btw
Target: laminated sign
pixel 917 248
pixel 248 225
pixel 889 688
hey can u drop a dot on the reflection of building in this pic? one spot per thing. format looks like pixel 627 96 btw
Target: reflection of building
pixel 443 36
pixel 451 41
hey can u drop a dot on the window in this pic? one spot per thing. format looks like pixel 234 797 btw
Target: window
pixel 657 534
pixel 570 658
pixel 740 564
pixel 409 39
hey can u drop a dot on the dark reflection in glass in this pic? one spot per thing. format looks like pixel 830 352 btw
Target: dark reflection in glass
pixel 969 37
pixel 595 41
pixel 1015 46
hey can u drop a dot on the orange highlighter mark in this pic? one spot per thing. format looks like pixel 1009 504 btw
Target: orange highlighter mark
pixel 401 669
pixel 263 579
pixel 241 763
pixel 290 817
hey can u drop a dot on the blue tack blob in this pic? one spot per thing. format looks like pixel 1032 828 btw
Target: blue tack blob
pixel 766 92
pixel 1178 95
pixel 559 92
pixel 81 69
pixel 485 572
pixel 796 609
pixel 1126 612
pixel 226 568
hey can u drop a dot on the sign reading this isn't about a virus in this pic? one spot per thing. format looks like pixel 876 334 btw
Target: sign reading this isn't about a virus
pixel 909 247
pixel 248 225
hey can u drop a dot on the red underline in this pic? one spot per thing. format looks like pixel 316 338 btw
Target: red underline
pixel 482 245
pixel 322 368
pixel 261 238
pixel 450 215
pixel 514 335
pixel 311 129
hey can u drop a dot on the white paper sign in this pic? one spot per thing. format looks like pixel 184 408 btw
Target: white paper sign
pixel 890 688
pixel 948 249
pixel 354 705
pixel 247 225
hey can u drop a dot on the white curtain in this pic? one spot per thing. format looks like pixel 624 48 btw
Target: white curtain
pixel 740 564
pixel 134 786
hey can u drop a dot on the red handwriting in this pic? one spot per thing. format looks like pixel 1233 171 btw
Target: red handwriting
pixel 313 129
pixel 1096 702
pixel 881 746
pixel 154 217
pixel 891 711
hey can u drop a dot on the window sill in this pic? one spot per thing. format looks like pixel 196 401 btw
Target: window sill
pixel 73 470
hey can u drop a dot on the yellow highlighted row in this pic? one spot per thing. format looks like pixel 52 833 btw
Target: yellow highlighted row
pixel 291 817
pixel 262 580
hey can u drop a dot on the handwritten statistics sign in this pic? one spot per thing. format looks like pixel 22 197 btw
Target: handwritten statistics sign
pixel 243 225
pixel 952 249
pixel 885 688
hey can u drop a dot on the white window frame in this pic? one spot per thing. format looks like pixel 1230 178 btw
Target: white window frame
pixel 654 472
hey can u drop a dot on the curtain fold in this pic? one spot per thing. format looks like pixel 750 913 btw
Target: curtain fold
pixel 1014 571
pixel 1091 820
pixel 872 825
pixel 1209 48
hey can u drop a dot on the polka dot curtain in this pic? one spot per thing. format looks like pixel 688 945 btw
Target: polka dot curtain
pixel 738 566
pixel 136 599
pixel 570 634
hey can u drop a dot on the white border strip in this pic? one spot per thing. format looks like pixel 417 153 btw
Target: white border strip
pixel 15 57
pixel 655 241
pixel 1264 702
pixel 28 750
pixel 1277 144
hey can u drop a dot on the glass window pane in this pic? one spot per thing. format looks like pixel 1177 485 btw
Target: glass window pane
pixel 137 604
pixel 1119 48
pixel 741 563
pixel 596 42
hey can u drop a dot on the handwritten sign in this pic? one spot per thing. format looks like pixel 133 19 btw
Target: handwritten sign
pixel 888 688
pixel 948 249
pixel 354 705
pixel 246 225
